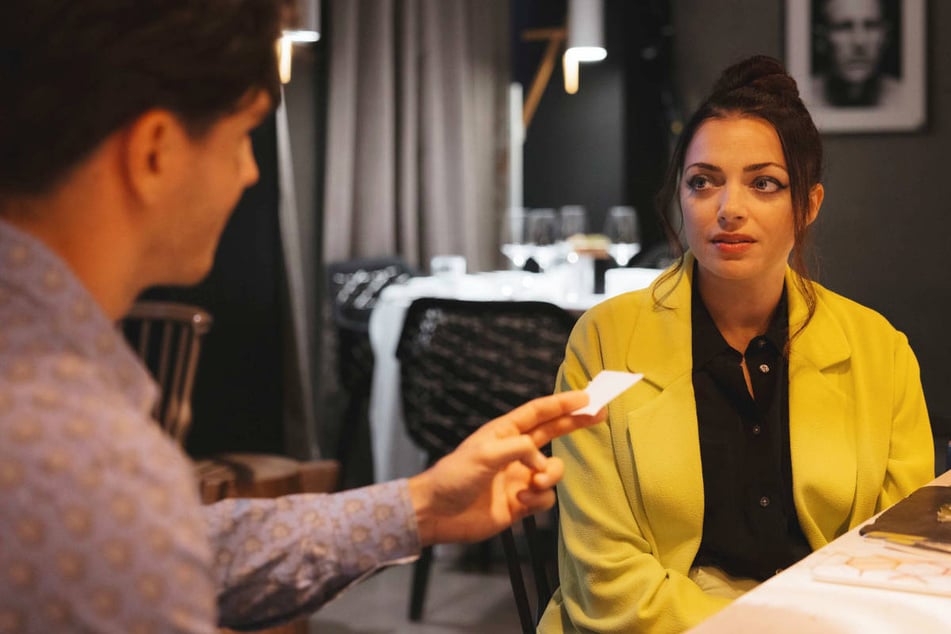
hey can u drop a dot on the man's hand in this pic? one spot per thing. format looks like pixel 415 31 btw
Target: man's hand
pixel 497 475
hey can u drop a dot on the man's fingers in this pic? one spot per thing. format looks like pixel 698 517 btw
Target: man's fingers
pixel 548 417
pixel 550 476
pixel 498 453
pixel 546 408
pixel 539 494
pixel 545 432
pixel 535 501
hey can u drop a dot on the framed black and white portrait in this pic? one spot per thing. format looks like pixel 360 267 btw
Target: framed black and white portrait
pixel 860 64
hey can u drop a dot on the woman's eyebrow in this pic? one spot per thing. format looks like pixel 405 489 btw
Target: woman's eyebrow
pixel 755 167
pixel 703 166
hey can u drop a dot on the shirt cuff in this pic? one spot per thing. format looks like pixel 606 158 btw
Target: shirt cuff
pixel 382 526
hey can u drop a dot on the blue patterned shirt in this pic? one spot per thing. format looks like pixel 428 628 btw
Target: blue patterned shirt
pixel 101 528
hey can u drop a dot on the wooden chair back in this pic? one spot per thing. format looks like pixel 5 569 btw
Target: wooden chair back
pixel 167 337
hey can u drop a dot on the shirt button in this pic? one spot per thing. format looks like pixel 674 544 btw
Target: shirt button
pixel 764 368
pixel 764 501
pixel 761 343
pixel 756 430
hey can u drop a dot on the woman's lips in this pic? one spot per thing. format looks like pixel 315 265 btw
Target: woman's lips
pixel 732 243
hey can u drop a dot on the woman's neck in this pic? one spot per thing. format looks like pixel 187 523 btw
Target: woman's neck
pixel 741 310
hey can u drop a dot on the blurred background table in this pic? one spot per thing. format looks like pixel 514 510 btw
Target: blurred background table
pixel 394 455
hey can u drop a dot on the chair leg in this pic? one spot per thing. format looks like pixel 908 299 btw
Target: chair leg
pixel 538 557
pixel 517 580
pixel 485 555
pixel 420 580
pixel 354 449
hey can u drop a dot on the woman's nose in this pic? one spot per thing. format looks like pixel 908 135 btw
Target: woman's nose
pixel 732 207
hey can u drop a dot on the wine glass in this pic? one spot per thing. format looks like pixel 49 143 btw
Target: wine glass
pixel 514 238
pixel 542 234
pixel 574 221
pixel 622 230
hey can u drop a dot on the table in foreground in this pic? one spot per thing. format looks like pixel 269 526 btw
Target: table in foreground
pixel 794 602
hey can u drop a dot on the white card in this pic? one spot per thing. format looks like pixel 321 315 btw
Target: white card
pixel 605 387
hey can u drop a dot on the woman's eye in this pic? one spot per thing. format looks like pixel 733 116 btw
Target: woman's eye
pixel 698 182
pixel 767 184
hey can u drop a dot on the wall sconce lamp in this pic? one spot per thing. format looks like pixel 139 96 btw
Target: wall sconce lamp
pixel 585 39
pixel 302 18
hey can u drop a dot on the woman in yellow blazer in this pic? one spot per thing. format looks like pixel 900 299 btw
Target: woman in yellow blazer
pixel 632 499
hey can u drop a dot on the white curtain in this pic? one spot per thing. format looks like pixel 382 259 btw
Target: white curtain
pixel 417 129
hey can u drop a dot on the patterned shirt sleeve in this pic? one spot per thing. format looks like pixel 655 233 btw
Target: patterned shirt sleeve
pixel 275 559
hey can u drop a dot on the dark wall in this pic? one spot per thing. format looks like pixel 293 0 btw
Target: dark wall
pixel 238 397
pixel 605 145
pixel 882 234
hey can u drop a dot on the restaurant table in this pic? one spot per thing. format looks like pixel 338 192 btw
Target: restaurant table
pixel 795 602
pixel 394 455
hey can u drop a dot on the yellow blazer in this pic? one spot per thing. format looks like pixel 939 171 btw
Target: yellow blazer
pixel 631 500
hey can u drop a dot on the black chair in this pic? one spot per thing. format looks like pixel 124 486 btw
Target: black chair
pixel 463 363
pixel 541 551
pixel 353 288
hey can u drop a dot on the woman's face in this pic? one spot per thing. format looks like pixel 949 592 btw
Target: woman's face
pixel 736 202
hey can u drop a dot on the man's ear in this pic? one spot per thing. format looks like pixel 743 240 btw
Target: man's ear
pixel 152 154
pixel 816 195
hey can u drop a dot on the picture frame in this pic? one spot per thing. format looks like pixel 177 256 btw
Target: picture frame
pixel 856 74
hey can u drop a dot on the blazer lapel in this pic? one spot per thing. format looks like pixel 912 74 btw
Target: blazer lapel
pixel 820 436
pixel 660 344
pixel 662 425
pixel 666 449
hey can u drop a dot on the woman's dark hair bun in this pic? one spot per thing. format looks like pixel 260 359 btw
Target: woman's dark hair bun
pixel 759 72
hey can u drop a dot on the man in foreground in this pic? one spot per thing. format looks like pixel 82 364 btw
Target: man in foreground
pixel 123 149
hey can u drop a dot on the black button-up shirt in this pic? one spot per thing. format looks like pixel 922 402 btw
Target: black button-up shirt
pixel 750 528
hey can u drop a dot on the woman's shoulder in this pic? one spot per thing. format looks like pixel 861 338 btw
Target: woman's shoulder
pixel 626 305
pixel 849 313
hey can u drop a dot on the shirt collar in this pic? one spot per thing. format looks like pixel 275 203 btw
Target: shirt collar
pixel 52 292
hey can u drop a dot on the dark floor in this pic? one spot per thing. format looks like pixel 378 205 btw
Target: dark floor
pixel 459 601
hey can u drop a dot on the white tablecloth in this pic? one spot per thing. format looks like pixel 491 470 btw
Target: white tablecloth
pixel 394 455
pixel 795 602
